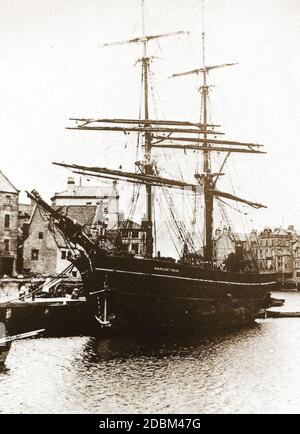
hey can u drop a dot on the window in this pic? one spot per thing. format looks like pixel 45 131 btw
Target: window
pixel 135 234
pixel 6 245
pixel 66 254
pixel 7 200
pixel 34 254
pixel 6 221
pixel 41 235
pixel 134 248
pixel 88 203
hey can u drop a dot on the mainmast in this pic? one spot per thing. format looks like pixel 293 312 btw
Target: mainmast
pixel 206 178
pixel 148 166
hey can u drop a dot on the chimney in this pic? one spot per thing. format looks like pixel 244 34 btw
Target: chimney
pixel 218 232
pixel 71 181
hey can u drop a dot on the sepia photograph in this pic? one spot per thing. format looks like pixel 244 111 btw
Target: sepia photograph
pixel 149 209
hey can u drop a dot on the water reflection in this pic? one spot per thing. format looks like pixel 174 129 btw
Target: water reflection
pixel 254 370
pixel 122 348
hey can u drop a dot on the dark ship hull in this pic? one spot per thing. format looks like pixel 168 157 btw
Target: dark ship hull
pixel 138 295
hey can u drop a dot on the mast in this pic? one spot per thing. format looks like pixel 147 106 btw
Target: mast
pixel 147 153
pixel 207 179
pixel 144 126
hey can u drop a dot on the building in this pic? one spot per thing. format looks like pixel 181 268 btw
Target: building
pixel 9 205
pixel 24 215
pixel 133 236
pixel 105 195
pixel 45 251
pixel 276 252
pixel 224 243
pixel 296 258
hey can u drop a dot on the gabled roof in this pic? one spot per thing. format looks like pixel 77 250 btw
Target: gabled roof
pixel 129 224
pixel 281 232
pixel 224 233
pixel 84 215
pixel 6 186
pixel 25 209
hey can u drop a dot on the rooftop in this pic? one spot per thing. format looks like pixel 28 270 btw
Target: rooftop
pixel 6 186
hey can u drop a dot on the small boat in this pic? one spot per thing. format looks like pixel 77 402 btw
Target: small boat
pixel 277 302
pixel 5 343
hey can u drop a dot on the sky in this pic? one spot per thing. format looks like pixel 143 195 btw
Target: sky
pixel 53 68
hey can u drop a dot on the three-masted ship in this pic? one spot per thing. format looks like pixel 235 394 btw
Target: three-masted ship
pixel 151 292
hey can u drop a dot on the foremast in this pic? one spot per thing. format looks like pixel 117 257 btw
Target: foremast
pixel 207 178
pixel 147 164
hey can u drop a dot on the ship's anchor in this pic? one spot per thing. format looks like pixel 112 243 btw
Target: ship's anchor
pixel 104 320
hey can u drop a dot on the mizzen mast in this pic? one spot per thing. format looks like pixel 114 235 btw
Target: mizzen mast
pixel 208 185
pixel 148 166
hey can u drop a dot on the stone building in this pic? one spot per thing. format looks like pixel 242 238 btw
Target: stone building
pixel 105 195
pixel 296 258
pixel 24 215
pixel 9 204
pixel 224 243
pixel 275 250
pixel 45 251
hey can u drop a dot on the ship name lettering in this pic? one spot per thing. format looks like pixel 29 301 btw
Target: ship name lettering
pixel 173 270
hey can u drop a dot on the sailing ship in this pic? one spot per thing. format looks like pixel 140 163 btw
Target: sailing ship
pixel 152 293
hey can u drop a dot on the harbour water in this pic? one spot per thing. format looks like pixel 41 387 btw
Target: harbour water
pixel 254 370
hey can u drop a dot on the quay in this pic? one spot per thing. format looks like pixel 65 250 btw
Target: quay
pixel 58 316
pixel 277 314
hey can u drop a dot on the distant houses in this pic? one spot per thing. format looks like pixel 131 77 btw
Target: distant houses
pixel 275 250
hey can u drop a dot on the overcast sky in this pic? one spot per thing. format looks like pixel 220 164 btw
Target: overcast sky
pixel 52 68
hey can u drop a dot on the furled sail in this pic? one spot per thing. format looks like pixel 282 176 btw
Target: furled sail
pixel 142 178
